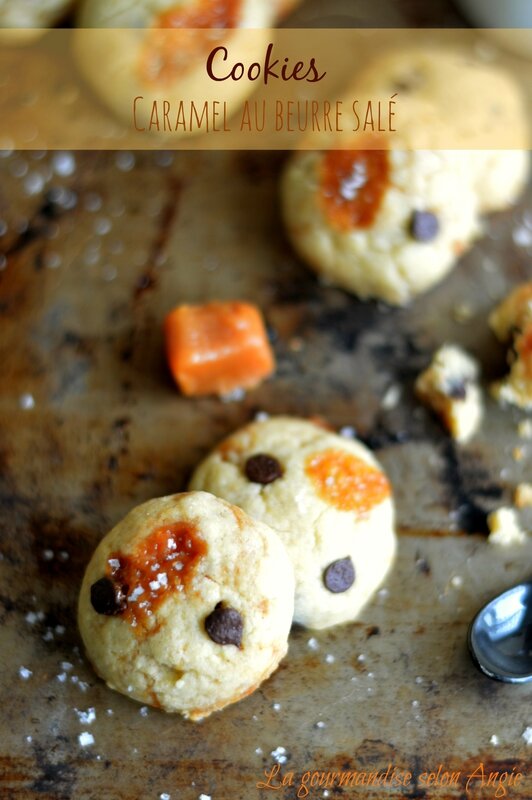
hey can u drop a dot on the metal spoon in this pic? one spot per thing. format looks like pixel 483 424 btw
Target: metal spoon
pixel 500 636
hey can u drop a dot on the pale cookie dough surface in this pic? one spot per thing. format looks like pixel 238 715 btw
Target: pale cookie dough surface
pixel 457 101
pixel 138 60
pixel 328 500
pixel 381 258
pixel 511 322
pixel 31 14
pixel 450 387
pixel 166 657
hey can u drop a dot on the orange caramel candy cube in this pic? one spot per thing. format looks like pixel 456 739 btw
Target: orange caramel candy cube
pixel 217 347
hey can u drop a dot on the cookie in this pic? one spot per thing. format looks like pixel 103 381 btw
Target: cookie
pixel 511 322
pixel 32 16
pixel 186 604
pixel 142 60
pixel 447 98
pixel 381 224
pixel 327 498
pixel 450 387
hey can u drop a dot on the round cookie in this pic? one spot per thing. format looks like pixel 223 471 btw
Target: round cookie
pixel 187 604
pixel 447 98
pixel 31 16
pixel 327 498
pixel 139 57
pixel 381 224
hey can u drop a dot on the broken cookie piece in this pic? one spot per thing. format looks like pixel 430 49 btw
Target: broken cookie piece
pixel 504 528
pixel 449 386
pixel 511 323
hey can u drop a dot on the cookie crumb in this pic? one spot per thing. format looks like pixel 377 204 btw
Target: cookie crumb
pixel 24 673
pixel 449 386
pixel 523 495
pixel 524 429
pixel 279 754
pixel 504 528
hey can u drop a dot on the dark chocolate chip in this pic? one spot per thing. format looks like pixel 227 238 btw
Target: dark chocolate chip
pixel 107 597
pixel 339 576
pixel 262 468
pixel 457 389
pixel 224 625
pixel 424 226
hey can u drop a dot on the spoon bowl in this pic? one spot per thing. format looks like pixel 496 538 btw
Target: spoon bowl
pixel 500 636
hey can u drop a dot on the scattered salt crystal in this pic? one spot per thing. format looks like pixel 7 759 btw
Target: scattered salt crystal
pixel 64 164
pixel 47 555
pixel 329 658
pixel 34 183
pixel 320 724
pixel 234 396
pixel 204 797
pixel 457 581
pixel 162 577
pixel 25 673
pixel 86 717
pixel 144 711
pixel 371 674
pixel 391 397
pixel 93 202
pixel 86 739
pixel 34 616
pixel 26 401
pixel 29 739
pixel 102 226
pixel 60 630
pixel 125 161
pixel 258 751
pixel 261 416
pixel 154 585
pixel 361 658
pixel 494 740
pixel 52 260
pixel 67 666
pixel 276 706
pixel 164 796
pixel 419 679
pixel 136 593
pixel 522 236
pixel 415 703
pixel 109 712
pixel 48 636
pixel 109 273
pixel 279 754
pixel 83 686
pixel 61 677
pixel 326 793
pixel 348 432
pixel 313 644
pixel 527 735
pixel 383 593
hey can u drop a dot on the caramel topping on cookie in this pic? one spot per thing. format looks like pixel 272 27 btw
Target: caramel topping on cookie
pixel 163 563
pixel 353 183
pixel 345 481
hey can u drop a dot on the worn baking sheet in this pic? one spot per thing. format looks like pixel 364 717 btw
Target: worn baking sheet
pixel 87 274
pixel 82 294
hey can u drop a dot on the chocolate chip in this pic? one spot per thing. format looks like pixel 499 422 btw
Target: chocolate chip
pixel 107 597
pixel 262 468
pixel 424 226
pixel 457 389
pixel 339 575
pixel 224 625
